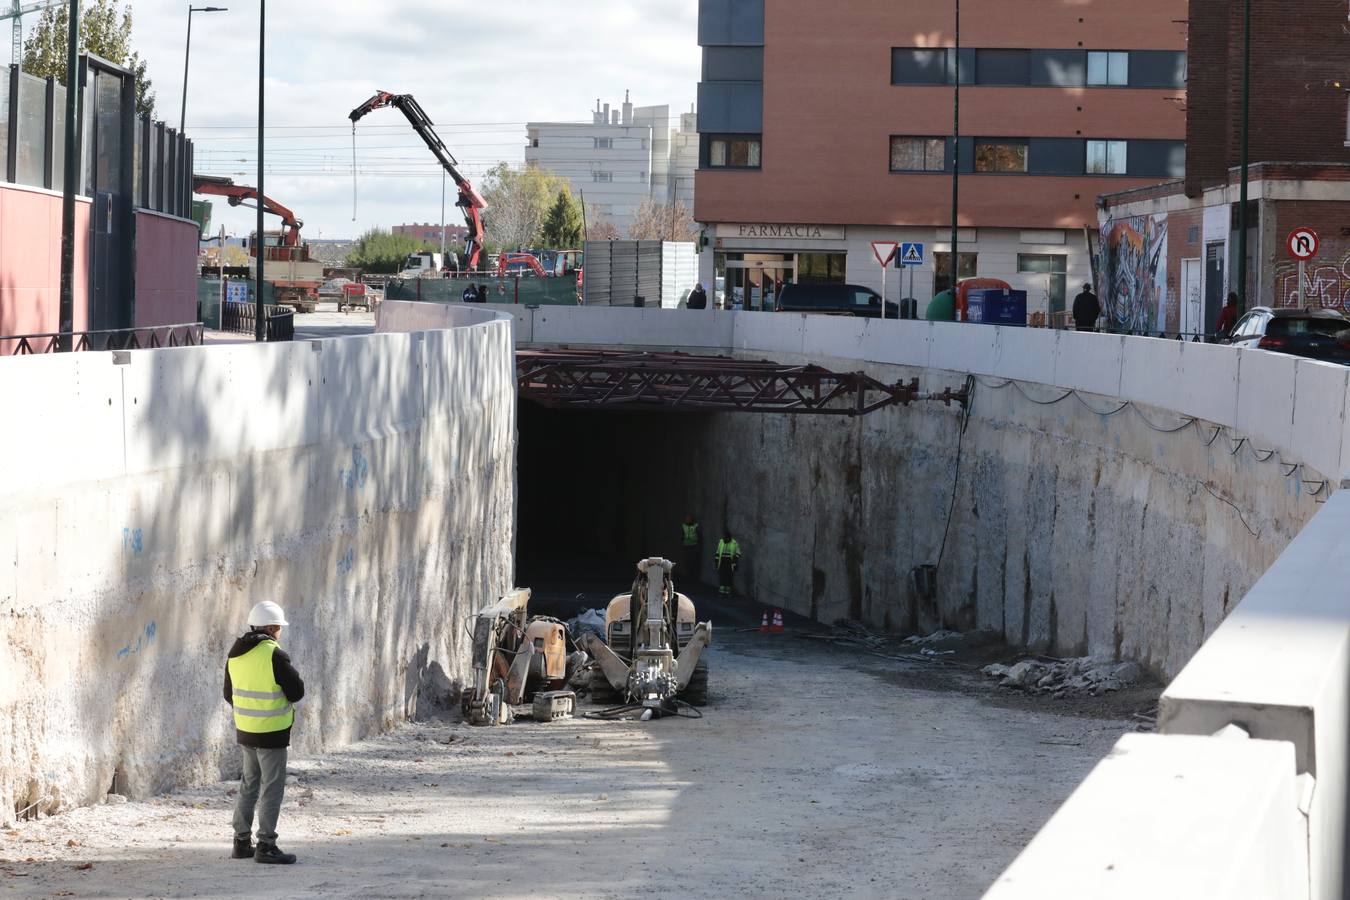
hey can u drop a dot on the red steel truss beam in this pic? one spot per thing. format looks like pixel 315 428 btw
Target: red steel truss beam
pixel 677 382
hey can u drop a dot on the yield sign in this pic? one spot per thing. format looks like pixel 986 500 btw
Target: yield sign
pixel 1303 243
pixel 884 251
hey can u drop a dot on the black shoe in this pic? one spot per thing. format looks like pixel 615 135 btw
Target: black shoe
pixel 243 849
pixel 269 853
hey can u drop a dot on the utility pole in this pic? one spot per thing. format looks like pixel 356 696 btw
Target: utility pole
pixel 187 55
pixel 1242 191
pixel 442 217
pixel 66 308
pixel 260 243
pixel 956 151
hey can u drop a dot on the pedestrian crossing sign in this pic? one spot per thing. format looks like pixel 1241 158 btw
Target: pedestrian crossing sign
pixel 911 254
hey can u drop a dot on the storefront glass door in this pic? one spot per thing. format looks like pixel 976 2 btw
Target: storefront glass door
pixel 755 281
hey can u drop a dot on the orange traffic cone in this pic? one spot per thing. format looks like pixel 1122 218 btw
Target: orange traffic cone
pixel 777 622
pixel 764 623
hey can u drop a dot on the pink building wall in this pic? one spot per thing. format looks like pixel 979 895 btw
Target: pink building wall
pixel 166 270
pixel 30 261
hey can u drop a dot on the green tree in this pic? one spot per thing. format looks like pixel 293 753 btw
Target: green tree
pixel 518 202
pixel 105 30
pixel 380 252
pixel 562 225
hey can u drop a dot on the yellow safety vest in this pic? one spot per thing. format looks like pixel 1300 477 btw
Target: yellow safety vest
pixel 260 706
pixel 690 535
pixel 729 549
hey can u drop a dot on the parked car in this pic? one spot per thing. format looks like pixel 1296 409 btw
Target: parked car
pixel 835 299
pixel 1314 333
pixel 332 288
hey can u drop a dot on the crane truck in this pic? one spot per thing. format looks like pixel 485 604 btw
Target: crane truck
pixel 470 202
pixel 294 276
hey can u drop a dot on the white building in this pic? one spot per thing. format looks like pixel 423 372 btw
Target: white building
pixel 620 158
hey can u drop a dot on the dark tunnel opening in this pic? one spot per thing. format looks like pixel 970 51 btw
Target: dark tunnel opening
pixel 600 490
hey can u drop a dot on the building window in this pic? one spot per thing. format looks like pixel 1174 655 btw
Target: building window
pixel 1108 68
pixel 1106 157
pixel 1053 267
pixel 1000 156
pixel 821 268
pixel 919 65
pixel 734 152
pixel 604 143
pixel 918 154
pixel 602 176
pixel 1003 67
pixel 967 266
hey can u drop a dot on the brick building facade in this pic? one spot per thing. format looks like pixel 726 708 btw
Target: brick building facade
pixel 431 233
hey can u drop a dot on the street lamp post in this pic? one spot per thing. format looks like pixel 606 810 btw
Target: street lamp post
pixel 66 302
pixel 187 54
pixel 1242 199
pixel 956 152
pixel 260 239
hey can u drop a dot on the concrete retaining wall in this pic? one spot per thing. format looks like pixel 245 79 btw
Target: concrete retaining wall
pixel 367 484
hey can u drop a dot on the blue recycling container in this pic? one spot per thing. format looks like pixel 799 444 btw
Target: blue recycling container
pixel 997 306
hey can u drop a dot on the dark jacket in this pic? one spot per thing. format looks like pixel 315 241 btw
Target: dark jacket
pixel 698 298
pixel 470 295
pixel 1086 309
pixel 482 293
pixel 292 685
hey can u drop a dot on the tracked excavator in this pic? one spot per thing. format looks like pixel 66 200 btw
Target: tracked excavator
pixel 651 652
pixel 518 659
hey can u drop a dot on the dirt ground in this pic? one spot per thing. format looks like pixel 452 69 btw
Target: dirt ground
pixel 816 771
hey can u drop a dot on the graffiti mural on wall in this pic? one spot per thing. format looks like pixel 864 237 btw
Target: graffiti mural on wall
pixel 1134 265
pixel 1325 284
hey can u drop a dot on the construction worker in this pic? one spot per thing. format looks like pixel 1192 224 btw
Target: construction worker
pixel 261 684
pixel 691 535
pixel 728 558
pixel 470 294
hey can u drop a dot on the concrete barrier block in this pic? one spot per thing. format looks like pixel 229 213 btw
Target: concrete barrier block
pixel 1171 817
pixel 1320 391
pixel 1206 383
pixel 1265 398
pixel 1089 362
pixel 1149 370
pixel 631 326
pixel 960 347
pixel 1278 666
pixel 769 332
pixel 84 441
pixel 903 342
pixel 840 336
pixel 1025 354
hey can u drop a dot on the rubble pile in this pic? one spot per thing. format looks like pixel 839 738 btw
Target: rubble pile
pixel 1083 676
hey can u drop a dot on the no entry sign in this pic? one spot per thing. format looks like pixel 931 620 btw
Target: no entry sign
pixel 1303 243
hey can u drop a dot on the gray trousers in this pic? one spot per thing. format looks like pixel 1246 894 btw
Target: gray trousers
pixel 265 773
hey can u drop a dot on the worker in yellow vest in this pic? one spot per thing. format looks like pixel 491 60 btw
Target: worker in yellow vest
pixel 691 536
pixel 261 685
pixel 728 558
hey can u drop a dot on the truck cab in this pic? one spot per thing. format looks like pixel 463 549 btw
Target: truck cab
pixel 422 265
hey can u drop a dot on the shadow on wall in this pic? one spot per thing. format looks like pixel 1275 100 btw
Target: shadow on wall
pixel 378 512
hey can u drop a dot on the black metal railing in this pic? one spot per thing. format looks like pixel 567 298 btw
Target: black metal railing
pixel 241 318
pixel 146 338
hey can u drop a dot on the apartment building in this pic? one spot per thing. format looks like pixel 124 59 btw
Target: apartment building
pixel 431 232
pixel 824 129
pixel 621 157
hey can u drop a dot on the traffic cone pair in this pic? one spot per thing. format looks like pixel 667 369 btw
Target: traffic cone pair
pixel 777 626
pixel 764 623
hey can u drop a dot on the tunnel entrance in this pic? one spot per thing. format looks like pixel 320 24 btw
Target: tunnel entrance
pixel 600 489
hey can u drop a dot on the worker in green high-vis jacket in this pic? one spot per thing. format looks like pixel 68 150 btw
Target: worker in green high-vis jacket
pixel 728 559
pixel 262 686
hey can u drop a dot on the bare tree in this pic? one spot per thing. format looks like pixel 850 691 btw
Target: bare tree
pixel 599 227
pixel 662 222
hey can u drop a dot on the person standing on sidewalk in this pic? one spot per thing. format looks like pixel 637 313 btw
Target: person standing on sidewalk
pixel 728 558
pixel 261 685
pixel 691 536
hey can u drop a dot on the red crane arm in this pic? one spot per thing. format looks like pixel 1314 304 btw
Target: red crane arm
pixel 470 202
pixel 238 194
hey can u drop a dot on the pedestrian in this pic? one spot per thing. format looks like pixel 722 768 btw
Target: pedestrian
pixel 698 298
pixel 470 295
pixel 261 685
pixel 691 535
pixel 482 293
pixel 1227 316
pixel 728 558
pixel 1086 309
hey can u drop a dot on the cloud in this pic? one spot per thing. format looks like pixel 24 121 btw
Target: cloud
pixel 480 71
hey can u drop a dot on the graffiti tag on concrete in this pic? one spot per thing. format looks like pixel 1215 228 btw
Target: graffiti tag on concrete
pixel 1324 285
pixel 143 642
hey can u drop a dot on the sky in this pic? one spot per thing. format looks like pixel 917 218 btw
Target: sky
pixel 480 70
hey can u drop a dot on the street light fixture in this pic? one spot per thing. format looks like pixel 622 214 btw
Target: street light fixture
pixel 187 54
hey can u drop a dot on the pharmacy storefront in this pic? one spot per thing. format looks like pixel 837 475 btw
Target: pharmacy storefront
pixel 750 262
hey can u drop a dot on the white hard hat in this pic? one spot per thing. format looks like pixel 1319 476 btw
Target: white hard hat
pixel 266 613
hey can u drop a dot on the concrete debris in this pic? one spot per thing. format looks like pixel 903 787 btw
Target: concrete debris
pixel 592 620
pixel 1086 675
pixel 936 637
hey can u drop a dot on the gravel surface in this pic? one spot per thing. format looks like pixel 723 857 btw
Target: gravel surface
pixel 815 772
